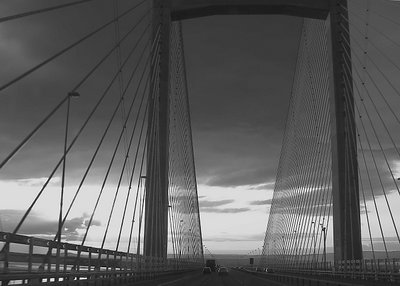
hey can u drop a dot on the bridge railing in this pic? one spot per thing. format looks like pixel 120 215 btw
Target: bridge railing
pixel 365 269
pixel 31 260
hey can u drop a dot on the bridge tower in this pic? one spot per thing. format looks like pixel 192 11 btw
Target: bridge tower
pixel 347 229
pixel 156 202
pixel 345 186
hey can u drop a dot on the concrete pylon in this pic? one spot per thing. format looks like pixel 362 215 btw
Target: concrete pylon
pixel 345 186
pixel 345 189
pixel 156 201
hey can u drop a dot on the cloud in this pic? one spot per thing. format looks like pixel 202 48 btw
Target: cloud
pixel 38 182
pixel 318 198
pixel 261 203
pixel 206 204
pixel 38 226
pixel 238 116
pixel 266 186
pixel 227 210
pixel 240 177
pixel 252 237
pixel 72 226
pixel 29 41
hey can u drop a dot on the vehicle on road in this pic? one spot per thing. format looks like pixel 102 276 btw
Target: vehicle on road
pixel 269 270
pixel 206 270
pixel 223 271
pixel 211 263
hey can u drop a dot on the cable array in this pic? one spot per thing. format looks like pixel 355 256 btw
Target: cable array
pixel 101 111
pixel 185 230
pixel 101 162
pixel 302 196
pixel 374 60
pixel 300 227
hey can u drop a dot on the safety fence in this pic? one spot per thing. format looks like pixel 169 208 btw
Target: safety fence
pixel 31 260
pixel 382 270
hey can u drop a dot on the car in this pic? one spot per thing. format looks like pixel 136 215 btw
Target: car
pixel 206 270
pixel 223 271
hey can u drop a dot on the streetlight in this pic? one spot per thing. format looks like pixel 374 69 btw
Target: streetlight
pixel 296 245
pixel 142 177
pixel 189 242
pixel 315 242
pixel 283 246
pixel 323 229
pixel 180 240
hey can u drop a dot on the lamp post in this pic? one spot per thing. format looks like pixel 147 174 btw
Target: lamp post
pixel 140 223
pixel 295 245
pixel 180 241
pixel 189 242
pixel 323 229
pixel 315 242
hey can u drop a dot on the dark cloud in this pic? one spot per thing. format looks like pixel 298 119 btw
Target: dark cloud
pixel 241 177
pixel 33 225
pixel 233 66
pixel 38 226
pixel 232 158
pixel 29 41
pixel 72 226
pixel 237 115
pixel 226 210
pixel 261 203
pixel 207 204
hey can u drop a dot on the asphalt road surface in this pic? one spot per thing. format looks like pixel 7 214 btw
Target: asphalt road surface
pixel 233 278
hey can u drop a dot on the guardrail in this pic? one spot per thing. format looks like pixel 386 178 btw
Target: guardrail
pixel 30 260
pixel 326 278
pixel 379 271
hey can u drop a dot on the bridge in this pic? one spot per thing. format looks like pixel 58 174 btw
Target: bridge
pixel 97 167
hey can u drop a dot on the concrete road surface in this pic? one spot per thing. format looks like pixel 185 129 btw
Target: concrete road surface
pixel 233 278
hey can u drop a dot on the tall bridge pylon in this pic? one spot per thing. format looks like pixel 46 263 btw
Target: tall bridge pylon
pixel 347 229
pixel 97 170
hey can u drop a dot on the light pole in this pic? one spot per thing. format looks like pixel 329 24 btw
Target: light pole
pixel 295 245
pixel 180 241
pixel 189 243
pixel 283 248
pixel 315 242
pixel 323 229
pixel 140 220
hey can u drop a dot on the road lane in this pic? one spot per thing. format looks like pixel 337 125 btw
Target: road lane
pixel 234 278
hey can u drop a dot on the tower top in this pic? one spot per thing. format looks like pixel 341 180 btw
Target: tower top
pixel 186 9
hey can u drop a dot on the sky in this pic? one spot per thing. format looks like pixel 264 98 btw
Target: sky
pixel 239 69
